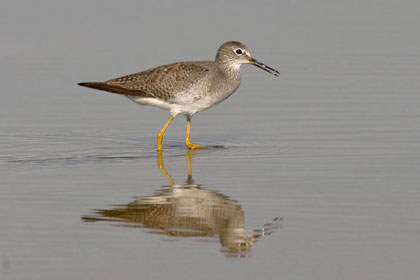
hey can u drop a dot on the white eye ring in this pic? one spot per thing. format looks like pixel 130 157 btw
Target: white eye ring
pixel 238 51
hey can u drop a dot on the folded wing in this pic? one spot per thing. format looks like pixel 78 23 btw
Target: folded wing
pixel 162 82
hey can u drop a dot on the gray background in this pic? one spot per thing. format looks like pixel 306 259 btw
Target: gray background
pixel 331 147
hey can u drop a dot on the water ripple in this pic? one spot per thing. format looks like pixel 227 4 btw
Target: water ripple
pixel 62 149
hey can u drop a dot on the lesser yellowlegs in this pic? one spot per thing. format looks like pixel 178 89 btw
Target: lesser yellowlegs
pixel 186 87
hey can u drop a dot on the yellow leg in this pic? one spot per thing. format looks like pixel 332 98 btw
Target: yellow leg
pixel 188 142
pixel 160 134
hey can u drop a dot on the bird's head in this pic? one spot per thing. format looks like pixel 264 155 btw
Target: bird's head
pixel 234 54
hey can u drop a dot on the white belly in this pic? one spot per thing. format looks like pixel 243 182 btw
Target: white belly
pixel 185 108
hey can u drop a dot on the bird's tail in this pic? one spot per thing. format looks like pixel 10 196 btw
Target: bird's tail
pixel 95 85
pixel 110 88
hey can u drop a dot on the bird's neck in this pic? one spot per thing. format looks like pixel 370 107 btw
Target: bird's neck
pixel 231 70
pixel 231 74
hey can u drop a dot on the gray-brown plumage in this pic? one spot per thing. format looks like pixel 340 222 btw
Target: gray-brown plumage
pixel 185 87
pixel 162 82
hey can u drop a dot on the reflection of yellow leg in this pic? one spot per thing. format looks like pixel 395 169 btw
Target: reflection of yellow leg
pixel 163 169
pixel 188 142
pixel 188 158
pixel 160 134
pixel 190 180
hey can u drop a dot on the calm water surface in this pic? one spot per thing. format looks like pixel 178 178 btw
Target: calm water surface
pixel 313 175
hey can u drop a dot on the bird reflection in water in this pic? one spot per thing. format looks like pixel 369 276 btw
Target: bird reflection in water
pixel 187 210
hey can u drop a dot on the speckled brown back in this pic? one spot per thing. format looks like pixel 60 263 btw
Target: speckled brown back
pixel 162 82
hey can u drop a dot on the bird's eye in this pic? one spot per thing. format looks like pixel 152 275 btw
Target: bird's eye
pixel 238 51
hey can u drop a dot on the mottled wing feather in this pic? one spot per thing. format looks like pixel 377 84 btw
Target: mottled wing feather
pixel 162 82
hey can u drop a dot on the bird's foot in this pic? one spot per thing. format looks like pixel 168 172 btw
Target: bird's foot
pixel 191 145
